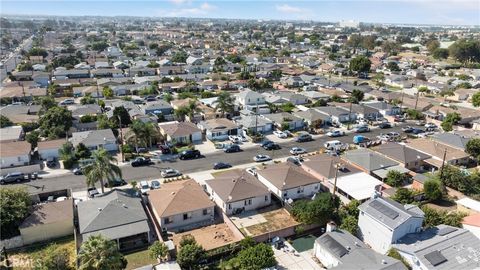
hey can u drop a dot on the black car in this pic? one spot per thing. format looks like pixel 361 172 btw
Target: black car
pixel 265 143
pixel 271 146
pixel 417 131
pixel 221 165
pixel 189 154
pixel 232 148
pixel 407 129
pixel 141 161
pixel 115 183
pixel 92 192
pixel 385 125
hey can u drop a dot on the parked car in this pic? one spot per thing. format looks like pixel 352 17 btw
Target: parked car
pixel 51 162
pixel 12 177
pixel 297 151
pixel 221 165
pixel 407 129
pixel 141 161
pixel 170 173
pixel 78 171
pixel 190 154
pixel 261 158
pixel 304 137
pixel 431 126
pixel 144 187
pixel 335 133
pixel 280 134
pixel 234 139
pixel 232 148
pixel 385 125
pixel 295 160
pixel 393 135
pixel 417 131
pixel 155 184
pixel 271 146
pixel 420 123
pixel 357 139
pixel 115 183
pixel 362 129
pixel 265 142
pixel 332 144
pixel 398 118
pixel 165 149
pixel 150 98
pixel 68 101
pixel 92 192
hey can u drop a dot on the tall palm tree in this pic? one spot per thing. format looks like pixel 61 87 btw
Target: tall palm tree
pixel 150 131
pixel 99 252
pixel 192 108
pixel 224 103
pixel 101 169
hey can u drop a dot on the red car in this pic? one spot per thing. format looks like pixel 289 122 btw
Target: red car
pixel 399 118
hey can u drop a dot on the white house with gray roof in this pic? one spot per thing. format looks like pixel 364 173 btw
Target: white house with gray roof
pixel 95 139
pixel 382 222
pixel 440 248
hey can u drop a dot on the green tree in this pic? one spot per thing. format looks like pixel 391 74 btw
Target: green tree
pixel 396 178
pixel 55 122
pixel 436 217
pixel 122 114
pixel 440 53
pixel 224 103
pixel 258 257
pixel 350 224
pixel 143 133
pixel 287 107
pixel 190 255
pixel 14 206
pixel 82 152
pixel 393 66
pixel 158 250
pixel 360 64
pixel 180 57
pixel 87 99
pixel 473 147
pixel 432 45
pixel 247 242
pixel 403 196
pixel 5 122
pixel 107 92
pixel 414 114
pixel 33 138
pixel 46 103
pixel 476 99
pixel 465 51
pixel 433 189
pixel 318 211
pixel 101 169
pixel 168 97
pixel 67 154
pixel 36 51
pixel 98 252
pixel 450 120
pixel 357 96
pixel 394 254
pixel 55 257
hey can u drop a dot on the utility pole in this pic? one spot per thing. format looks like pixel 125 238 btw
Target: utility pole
pixel 335 181
pixel 443 163
pixel 349 116
pixel 121 138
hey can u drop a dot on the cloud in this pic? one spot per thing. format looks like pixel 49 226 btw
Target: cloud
pixel 289 9
pixel 203 9
pixel 180 2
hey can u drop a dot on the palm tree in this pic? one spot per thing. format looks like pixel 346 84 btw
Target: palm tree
pixel 224 103
pixel 192 108
pixel 181 112
pixel 143 133
pixel 99 252
pixel 101 169
pixel 150 131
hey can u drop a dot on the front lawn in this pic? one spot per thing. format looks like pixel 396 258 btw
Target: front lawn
pixel 139 259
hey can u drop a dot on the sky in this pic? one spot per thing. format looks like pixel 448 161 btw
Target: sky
pixel 443 12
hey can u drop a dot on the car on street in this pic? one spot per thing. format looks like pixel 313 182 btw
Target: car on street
pixel 407 129
pixel 261 158
pixel 304 137
pixel 190 154
pixel 362 129
pixel 144 187
pixel 92 192
pixel 385 125
pixel 297 151
pixel 221 165
pixel 232 148
pixel 417 131
pixel 68 101
pixel 271 146
pixel 78 171
pixel 335 133
pixel 295 160
pixel 398 118
pixel 170 173
pixel 115 183
pixel 280 134
pixel 430 126
pixel 393 135
pixel 141 161
pixel 155 184
pixel 12 177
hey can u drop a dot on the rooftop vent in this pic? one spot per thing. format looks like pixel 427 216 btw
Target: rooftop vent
pixel 99 209
pixel 384 262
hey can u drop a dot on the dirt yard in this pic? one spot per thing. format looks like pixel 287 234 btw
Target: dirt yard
pixel 275 220
pixel 210 237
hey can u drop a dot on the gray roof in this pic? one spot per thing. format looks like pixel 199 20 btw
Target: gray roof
pixel 235 185
pixel 443 247
pixel 379 105
pixel 10 133
pixel 401 153
pixel 93 137
pixel 330 110
pixel 389 212
pixel 251 121
pixel 159 104
pixel 282 117
pixel 368 160
pixel 114 214
pixel 85 109
pixel 311 115
pixel 452 139
pixel 354 254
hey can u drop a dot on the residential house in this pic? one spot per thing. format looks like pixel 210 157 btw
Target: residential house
pixel 14 153
pixel 48 221
pixel 408 157
pixel 237 191
pixel 454 139
pixel 315 96
pixel 338 249
pixel 468 205
pixel 288 181
pixel 251 100
pixel 292 97
pixel 292 81
pixel 367 160
pixel 440 248
pixel 337 114
pixel 181 132
pixel 472 223
pixel 382 222
pixel 312 118
pixel 355 186
pixel 20 113
pixel 325 167
pixel 383 108
pixel 116 215
pixel 285 120
pixel 219 129
pixel 12 133
pixel 462 94
pixel 42 79
pixel 360 110
pixel 254 124
pixel 181 204
pixel 88 109
pixel 63 74
pixel 157 107
pixel 49 149
pixel 437 150
pixel 95 139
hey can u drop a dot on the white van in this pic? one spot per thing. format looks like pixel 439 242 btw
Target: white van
pixel 332 144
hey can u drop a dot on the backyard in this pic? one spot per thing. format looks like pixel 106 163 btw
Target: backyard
pixel 210 237
pixel 138 259
pixel 265 221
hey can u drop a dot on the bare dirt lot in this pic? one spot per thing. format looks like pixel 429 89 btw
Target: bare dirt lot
pixel 209 237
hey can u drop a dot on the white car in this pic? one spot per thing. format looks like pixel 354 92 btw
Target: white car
pixel 261 158
pixel 170 173
pixel 144 187
pixel 280 134
pixel 297 151
pixel 430 125
pixel 252 171
pixel 393 135
pixel 234 139
pixel 335 133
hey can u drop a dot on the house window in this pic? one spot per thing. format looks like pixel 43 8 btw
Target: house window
pixel 167 220
pixel 229 206
pixel 248 202
pixel 206 211
pixel 266 198
pixel 316 186
pixel 300 190
pixel 187 216
pixel 285 194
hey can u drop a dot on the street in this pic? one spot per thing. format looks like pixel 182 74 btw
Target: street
pixel 77 182
pixel 11 63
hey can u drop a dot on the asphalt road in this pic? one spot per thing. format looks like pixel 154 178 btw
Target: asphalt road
pixel 11 63
pixel 77 183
